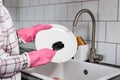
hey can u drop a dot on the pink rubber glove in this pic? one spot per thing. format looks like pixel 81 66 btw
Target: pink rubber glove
pixel 41 57
pixel 28 34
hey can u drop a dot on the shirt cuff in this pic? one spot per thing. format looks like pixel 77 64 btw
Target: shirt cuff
pixel 28 59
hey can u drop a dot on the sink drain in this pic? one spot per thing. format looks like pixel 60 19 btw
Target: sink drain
pixel 85 71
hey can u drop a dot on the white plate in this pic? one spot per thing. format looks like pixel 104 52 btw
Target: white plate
pixel 45 39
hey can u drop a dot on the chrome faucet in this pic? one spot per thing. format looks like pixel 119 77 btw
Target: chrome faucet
pixel 93 57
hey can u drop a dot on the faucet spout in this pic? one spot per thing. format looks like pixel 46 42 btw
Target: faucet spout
pixel 93 56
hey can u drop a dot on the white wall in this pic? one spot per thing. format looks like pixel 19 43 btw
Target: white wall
pixel 107 14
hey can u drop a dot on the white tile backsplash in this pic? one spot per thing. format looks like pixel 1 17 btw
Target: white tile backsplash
pixel 108 10
pixel 99 31
pixel 34 2
pixel 118 55
pixel 7 3
pixel 27 13
pixel 73 9
pixel 67 24
pixel 66 1
pixel 31 13
pixel 112 33
pixel 44 22
pixel 61 12
pixel 54 1
pixel 23 14
pixel 42 2
pixel 39 13
pixel 13 13
pixel 93 7
pixel 23 3
pixel 50 12
pixel 16 24
pixel 25 24
pixel 53 22
pixel 119 11
pixel 83 0
pixel 108 51
pixel 14 3
pixel 20 25
pixel 82 30
pixel 32 23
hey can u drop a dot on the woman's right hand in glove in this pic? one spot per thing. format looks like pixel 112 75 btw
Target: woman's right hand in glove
pixel 45 55
pixel 28 34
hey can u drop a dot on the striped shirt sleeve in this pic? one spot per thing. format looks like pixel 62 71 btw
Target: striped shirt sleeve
pixel 11 62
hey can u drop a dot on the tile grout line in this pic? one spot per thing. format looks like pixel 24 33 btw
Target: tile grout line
pixel 118 11
pixel 116 54
pixel 98 11
pixel 105 31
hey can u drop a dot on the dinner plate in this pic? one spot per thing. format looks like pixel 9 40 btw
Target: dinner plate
pixel 46 38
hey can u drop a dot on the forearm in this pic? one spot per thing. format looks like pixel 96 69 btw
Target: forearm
pixel 13 64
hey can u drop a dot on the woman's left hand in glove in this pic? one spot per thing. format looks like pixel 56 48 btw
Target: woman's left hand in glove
pixel 45 55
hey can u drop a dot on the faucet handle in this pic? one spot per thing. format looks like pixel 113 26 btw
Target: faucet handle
pixel 98 57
